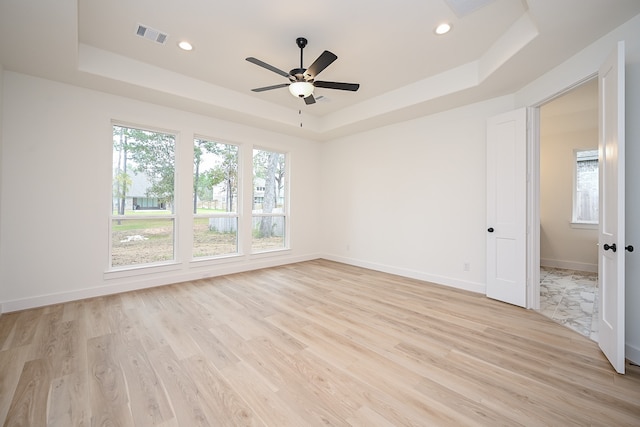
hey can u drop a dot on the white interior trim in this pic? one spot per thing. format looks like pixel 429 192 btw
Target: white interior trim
pixel 533 201
pixel 533 196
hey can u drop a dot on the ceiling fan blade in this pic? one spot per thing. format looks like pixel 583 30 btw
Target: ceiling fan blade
pixel 323 61
pixel 309 100
pixel 267 66
pixel 337 85
pixel 262 89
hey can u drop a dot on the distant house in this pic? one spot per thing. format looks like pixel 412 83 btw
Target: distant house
pixel 137 195
pixel 258 195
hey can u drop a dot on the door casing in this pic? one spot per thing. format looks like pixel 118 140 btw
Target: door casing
pixel 533 194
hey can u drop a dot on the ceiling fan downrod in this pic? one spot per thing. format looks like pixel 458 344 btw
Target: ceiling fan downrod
pixel 301 42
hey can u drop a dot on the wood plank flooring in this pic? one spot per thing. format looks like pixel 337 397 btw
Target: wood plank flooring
pixel 307 344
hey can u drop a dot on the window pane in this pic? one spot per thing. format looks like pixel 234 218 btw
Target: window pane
pixel 142 222
pixel 215 177
pixel 143 170
pixel 269 191
pixel 215 236
pixel 215 194
pixel 141 241
pixel 586 208
pixel 268 233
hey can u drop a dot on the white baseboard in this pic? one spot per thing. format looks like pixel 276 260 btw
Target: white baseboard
pixel 140 282
pixel 412 274
pixel 569 265
pixel 632 353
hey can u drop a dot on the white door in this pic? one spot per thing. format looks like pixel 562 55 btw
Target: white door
pixel 506 207
pixel 611 242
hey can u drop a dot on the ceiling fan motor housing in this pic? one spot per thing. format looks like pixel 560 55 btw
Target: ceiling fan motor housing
pixel 297 75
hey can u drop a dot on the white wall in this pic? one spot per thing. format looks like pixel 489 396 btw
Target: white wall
pixel 1 136
pixel 410 198
pixel 561 244
pixel 56 174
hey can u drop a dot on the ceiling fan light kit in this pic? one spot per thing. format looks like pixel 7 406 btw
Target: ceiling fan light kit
pixel 302 80
pixel 301 89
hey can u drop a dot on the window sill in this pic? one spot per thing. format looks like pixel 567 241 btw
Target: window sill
pixel 584 225
pixel 214 260
pixel 141 270
pixel 270 253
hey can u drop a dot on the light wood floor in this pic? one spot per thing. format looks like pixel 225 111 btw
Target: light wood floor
pixel 314 343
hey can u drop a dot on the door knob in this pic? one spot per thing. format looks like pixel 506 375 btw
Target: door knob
pixel 490 229
pixel 629 248
pixel 613 247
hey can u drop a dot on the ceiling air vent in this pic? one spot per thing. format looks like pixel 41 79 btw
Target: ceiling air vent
pixel 151 34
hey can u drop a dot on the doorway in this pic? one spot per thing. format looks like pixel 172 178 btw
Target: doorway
pixel 568 235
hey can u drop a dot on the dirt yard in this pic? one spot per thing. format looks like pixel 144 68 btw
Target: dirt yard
pixel 145 246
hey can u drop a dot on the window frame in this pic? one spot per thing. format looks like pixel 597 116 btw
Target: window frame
pixel 238 212
pixel 118 270
pixel 285 214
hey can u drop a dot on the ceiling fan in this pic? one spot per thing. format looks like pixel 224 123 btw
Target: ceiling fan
pixel 302 80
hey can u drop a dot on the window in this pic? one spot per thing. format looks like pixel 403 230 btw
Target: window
pixel 585 195
pixel 269 204
pixel 215 199
pixel 142 213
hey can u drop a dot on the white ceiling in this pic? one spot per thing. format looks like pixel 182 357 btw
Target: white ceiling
pixel 403 68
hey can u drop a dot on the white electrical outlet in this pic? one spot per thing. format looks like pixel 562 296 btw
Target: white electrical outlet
pixel 466 266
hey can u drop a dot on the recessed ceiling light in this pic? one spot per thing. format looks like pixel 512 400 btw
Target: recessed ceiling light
pixel 185 45
pixel 443 28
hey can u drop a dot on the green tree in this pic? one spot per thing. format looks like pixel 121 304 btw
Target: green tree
pixel 225 170
pixel 121 179
pixel 203 183
pixel 121 182
pixel 146 152
pixel 261 160
pixel 270 167
pixel 153 155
